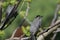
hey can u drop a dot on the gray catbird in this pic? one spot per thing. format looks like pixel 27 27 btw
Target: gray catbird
pixel 35 25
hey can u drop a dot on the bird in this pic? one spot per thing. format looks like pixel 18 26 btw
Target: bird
pixel 35 25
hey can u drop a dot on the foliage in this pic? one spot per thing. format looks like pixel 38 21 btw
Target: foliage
pixel 2 35
pixel 26 30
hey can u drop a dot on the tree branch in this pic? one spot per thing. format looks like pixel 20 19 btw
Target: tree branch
pixel 45 34
pixel 55 14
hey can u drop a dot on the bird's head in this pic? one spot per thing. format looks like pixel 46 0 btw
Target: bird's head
pixel 38 16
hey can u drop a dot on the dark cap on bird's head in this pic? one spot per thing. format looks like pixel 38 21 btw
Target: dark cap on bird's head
pixel 38 16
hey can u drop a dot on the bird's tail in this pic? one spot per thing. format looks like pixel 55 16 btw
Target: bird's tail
pixel 32 37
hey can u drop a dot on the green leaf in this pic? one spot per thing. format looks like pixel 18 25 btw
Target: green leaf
pixel 26 30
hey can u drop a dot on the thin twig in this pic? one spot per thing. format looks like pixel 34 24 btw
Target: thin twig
pixel 54 36
pixel 55 33
pixel 27 11
pixel 55 14
pixel 25 38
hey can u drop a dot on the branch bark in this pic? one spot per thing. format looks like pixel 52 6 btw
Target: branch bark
pixel 54 27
